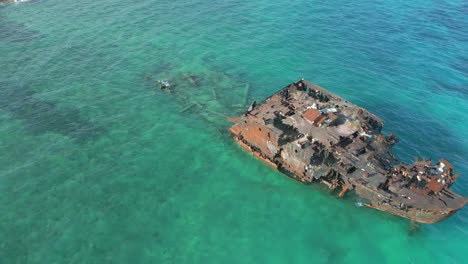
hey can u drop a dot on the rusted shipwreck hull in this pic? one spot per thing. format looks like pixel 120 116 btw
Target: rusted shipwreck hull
pixel 313 135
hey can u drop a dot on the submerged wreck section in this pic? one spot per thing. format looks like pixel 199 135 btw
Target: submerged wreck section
pixel 313 135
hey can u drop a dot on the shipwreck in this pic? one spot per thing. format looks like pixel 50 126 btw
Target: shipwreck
pixel 312 135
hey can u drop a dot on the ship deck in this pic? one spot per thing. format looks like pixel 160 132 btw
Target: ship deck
pixel 345 128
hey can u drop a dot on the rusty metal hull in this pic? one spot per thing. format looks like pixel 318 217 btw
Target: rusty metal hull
pixel 312 135
pixel 415 215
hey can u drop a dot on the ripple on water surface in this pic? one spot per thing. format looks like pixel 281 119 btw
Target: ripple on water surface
pixel 103 166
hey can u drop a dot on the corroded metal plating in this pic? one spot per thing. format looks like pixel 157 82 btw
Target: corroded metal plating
pixel 312 135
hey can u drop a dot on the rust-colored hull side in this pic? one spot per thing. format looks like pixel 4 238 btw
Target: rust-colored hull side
pixel 420 216
pixel 414 215
pixel 256 154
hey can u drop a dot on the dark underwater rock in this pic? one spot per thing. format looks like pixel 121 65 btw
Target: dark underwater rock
pixel 17 32
pixel 41 116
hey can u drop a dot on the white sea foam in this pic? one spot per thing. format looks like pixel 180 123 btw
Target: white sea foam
pixel 21 1
pixel 14 1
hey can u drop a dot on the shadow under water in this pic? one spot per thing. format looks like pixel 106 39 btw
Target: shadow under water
pixel 40 116
pixel 17 32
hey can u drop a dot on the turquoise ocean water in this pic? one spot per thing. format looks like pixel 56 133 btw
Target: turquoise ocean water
pixel 98 165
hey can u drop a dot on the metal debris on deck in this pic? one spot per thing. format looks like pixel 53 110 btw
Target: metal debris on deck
pixel 164 84
pixel 312 135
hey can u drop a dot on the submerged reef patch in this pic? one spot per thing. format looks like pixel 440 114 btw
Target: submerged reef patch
pixel 11 31
pixel 41 116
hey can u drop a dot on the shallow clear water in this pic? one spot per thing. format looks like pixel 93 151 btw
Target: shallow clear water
pixel 98 165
